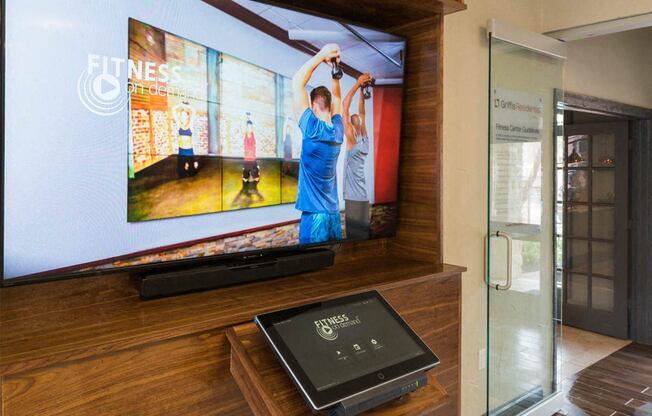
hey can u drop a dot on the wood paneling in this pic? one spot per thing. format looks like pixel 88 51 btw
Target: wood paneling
pixel 63 334
pixel 419 233
pixel 386 15
pixel 171 356
pixel 270 392
pixel 185 376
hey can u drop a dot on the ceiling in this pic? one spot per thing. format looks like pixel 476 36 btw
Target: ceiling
pixel 355 52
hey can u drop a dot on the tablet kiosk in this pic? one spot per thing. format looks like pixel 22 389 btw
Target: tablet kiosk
pixel 348 354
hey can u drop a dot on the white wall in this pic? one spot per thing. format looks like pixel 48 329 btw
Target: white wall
pixel 615 67
pixel 564 14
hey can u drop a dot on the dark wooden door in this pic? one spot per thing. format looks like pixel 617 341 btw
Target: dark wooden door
pixel 596 227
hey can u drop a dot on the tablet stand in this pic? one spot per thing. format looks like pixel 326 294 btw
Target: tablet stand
pixel 269 391
pixel 380 395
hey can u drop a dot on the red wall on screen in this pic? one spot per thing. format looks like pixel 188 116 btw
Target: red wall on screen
pixel 387 134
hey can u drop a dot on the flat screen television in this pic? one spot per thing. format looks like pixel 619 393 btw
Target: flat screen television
pixel 141 133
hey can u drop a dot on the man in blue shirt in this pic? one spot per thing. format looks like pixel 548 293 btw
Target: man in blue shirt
pixel 322 127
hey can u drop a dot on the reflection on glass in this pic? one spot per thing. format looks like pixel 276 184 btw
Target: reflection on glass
pixel 559 219
pixel 602 294
pixel 559 255
pixel 578 151
pixel 604 150
pixel 559 183
pixel 559 151
pixel 578 221
pixel 577 291
pixel 604 186
pixel 602 258
pixel 578 256
pixel 516 182
pixel 603 222
pixel 578 186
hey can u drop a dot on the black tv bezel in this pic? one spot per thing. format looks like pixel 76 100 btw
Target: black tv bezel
pixel 170 264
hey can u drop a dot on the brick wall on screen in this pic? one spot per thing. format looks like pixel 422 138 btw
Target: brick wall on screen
pixel 201 130
pixel 279 236
pixel 140 138
pixel 160 131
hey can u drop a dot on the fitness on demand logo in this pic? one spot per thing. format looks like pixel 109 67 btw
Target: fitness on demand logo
pixel 98 85
pixel 328 328
pixel 101 92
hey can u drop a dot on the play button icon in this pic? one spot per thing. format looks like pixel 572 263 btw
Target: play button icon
pixel 106 87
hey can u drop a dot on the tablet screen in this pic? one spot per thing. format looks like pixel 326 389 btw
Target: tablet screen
pixel 336 344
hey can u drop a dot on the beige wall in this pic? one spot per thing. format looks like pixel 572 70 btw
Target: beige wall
pixel 465 133
pixel 615 67
pixel 466 74
pixel 564 14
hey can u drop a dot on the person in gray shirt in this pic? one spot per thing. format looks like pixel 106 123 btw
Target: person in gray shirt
pixel 357 149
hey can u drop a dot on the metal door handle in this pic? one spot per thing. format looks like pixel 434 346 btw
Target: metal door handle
pixel 508 283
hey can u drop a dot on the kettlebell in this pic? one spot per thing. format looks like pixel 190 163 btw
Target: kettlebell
pixel 366 89
pixel 336 71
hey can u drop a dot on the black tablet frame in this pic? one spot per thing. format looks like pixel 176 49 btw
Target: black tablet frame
pixel 320 400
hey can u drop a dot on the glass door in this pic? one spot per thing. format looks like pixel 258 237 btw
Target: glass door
pixel 524 126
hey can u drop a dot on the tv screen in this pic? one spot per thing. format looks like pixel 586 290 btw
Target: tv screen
pixel 138 133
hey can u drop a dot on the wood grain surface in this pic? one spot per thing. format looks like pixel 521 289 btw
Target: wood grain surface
pixel 171 356
pixel 384 14
pixel 270 392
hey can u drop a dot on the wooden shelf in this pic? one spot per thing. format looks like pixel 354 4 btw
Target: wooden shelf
pixel 270 392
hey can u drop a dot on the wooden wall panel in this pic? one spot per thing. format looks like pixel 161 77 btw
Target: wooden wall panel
pixel 184 376
pixel 116 323
pixel 189 375
pixel 419 233
pixel 384 15
pixel 435 315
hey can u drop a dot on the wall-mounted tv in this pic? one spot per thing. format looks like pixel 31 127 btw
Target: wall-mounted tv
pixel 140 133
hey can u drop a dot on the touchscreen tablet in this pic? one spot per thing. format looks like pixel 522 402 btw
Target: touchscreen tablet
pixel 336 349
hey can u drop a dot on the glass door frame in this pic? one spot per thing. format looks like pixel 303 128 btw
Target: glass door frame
pixel 551 47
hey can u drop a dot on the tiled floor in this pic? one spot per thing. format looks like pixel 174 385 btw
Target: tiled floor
pixel 581 349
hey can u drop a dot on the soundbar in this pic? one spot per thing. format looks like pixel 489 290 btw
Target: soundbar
pixel 232 271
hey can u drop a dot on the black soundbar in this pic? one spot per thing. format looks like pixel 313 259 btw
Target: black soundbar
pixel 232 271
